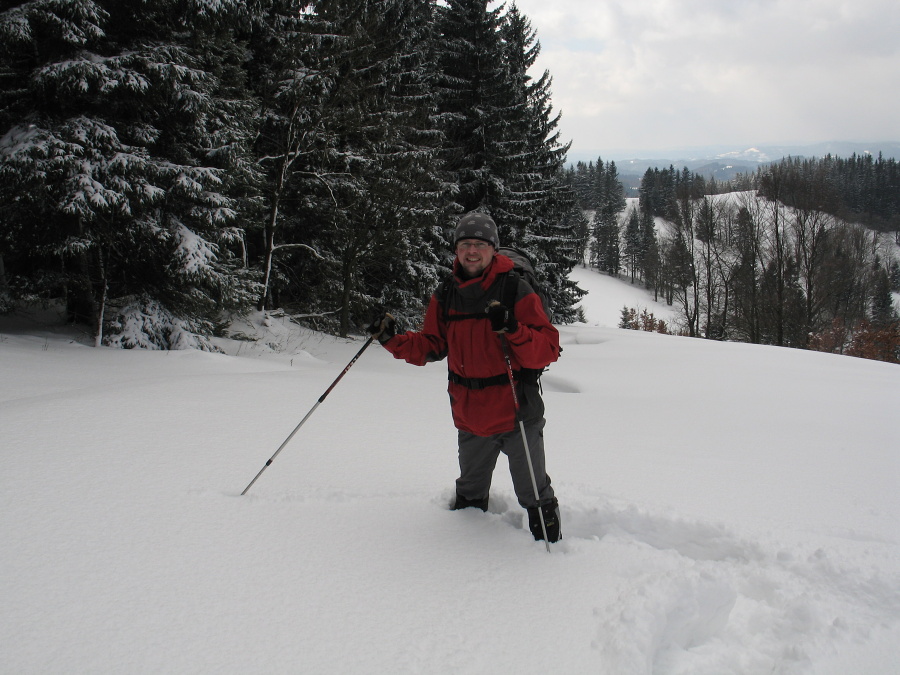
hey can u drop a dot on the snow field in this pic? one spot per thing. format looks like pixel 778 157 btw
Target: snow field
pixel 726 509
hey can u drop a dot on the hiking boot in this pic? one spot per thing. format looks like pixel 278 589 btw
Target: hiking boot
pixel 551 521
pixel 464 503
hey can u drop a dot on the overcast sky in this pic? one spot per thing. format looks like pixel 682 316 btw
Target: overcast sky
pixel 633 76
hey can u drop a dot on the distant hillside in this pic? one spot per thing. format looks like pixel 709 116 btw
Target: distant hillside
pixel 723 162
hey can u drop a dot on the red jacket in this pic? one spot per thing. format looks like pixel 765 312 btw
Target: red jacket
pixel 474 351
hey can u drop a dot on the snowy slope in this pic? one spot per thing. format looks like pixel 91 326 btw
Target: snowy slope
pixel 726 509
pixel 615 294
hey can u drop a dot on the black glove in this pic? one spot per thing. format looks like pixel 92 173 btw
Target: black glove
pixel 383 328
pixel 502 318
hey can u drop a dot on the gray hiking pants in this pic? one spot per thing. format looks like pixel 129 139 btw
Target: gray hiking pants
pixel 478 455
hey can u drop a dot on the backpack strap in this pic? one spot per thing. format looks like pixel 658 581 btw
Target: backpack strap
pixel 509 289
pixel 445 295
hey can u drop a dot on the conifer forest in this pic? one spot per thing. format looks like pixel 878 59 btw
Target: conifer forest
pixel 167 164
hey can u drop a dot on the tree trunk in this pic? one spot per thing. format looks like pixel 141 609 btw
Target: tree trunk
pixel 3 285
pixel 100 291
pixel 269 252
pixel 347 281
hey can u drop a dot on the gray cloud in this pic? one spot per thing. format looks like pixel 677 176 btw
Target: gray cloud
pixel 658 74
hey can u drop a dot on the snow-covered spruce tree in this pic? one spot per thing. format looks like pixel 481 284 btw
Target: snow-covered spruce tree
pixel 608 202
pixel 632 238
pixel 556 247
pixel 383 186
pixel 473 99
pixel 501 148
pixel 356 177
pixel 33 228
pixel 521 147
pixel 883 312
pixel 582 232
pixel 605 246
pixel 581 178
pixel 649 251
pixel 290 77
pixel 657 192
pixel 122 155
pixel 407 256
pixel 539 201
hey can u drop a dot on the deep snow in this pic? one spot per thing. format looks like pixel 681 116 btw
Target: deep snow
pixel 726 508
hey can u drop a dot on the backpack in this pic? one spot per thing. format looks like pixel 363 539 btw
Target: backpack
pixel 522 267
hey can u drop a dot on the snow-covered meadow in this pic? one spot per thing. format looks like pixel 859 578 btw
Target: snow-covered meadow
pixel 727 508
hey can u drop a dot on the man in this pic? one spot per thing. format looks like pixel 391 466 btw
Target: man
pixel 468 323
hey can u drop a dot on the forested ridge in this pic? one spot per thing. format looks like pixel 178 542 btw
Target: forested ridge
pixel 167 163
pixel 802 253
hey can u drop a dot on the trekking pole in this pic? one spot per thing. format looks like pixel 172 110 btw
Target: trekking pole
pixel 512 384
pixel 311 411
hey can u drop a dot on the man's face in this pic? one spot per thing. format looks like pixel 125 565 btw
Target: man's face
pixel 474 256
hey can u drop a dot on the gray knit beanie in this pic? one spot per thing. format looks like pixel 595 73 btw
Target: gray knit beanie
pixel 477 226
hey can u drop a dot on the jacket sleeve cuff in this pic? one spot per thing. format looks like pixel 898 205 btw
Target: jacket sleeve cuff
pixel 518 336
